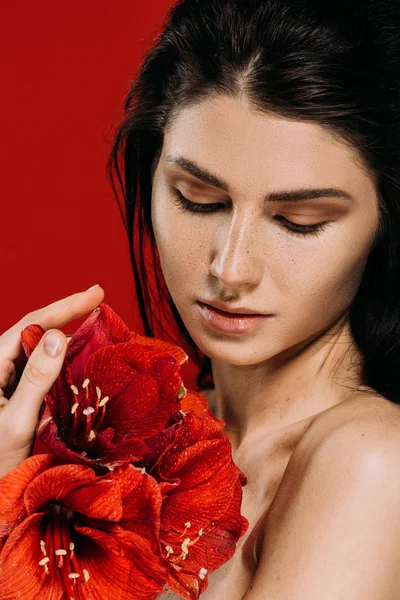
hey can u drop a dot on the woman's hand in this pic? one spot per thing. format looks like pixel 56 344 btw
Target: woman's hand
pixel 25 383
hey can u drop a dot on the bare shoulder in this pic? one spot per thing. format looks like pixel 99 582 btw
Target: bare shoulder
pixel 333 528
pixel 363 422
pixel 351 446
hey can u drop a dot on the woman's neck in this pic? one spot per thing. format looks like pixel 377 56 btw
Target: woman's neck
pixel 288 388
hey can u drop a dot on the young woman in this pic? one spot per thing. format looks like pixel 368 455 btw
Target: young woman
pixel 260 157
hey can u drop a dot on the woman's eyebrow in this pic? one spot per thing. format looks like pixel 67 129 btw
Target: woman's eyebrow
pixel 283 196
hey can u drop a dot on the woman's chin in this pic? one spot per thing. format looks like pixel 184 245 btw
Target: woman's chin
pixel 243 352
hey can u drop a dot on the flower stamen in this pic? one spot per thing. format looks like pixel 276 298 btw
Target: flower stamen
pixel 57 538
pixel 43 563
pixel 202 573
pixel 104 401
pixel 60 553
pixel 184 545
pixel 185 548
pixel 88 420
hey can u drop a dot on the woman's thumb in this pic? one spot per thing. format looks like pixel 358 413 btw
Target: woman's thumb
pixel 53 343
pixel 40 372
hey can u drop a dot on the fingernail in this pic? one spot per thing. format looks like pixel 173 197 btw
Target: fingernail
pixel 53 344
pixel 92 288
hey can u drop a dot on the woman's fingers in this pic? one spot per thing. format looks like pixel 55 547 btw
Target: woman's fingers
pixel 26 382
pixel 19 416
pixel 53 316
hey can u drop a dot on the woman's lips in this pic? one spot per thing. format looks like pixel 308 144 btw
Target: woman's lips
pixel 230 322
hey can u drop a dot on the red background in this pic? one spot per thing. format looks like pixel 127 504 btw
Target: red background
pixel 66 67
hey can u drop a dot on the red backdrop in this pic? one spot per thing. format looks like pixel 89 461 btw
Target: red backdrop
pixel 66 67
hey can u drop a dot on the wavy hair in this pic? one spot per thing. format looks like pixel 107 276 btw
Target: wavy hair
pixel 333 63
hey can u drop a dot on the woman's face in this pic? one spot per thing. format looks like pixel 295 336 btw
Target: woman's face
pixel 242 252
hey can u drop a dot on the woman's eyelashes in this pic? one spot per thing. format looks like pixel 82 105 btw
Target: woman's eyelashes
pixel 194 207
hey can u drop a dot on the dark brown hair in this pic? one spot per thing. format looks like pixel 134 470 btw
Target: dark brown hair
pixel 334 63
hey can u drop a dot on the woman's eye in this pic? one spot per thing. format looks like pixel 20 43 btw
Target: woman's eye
pixel 188 205
pixel 296 228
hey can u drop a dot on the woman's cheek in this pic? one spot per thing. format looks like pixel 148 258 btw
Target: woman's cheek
pixel 180 247
pixel 326 286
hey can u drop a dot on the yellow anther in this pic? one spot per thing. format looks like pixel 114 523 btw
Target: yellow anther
pixel 43 547
pixel 44 561
pixel 201 532
pixel 74 389
pixel 73 575
pixel 91 435
pixel 60 552
pixel 202 573
pixel 169 549
pixel 85 575
pixel 74 407
pixel 88 411
pixel 188 524
pixel 98 392
pixel 185 547
pixel 104 401
pixel 85 383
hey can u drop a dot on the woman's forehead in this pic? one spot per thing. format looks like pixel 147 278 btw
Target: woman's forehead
pixel 246 147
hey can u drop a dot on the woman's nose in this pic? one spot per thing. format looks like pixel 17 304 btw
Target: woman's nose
pixel 236 261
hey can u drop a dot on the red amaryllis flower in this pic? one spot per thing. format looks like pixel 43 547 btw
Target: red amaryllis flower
pixel 67 533
pixel 117 390
pixel 196 402
pixel 191 402
pixel 202 494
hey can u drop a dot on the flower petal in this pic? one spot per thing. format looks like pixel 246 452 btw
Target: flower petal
pixel 47 433
pixel 176 351
pixel 142 499
pixel 147 384
pixel 191 430
pixel 197 403
pixel 79 489
pixel 112 453
pixel 12 489
pixel 108 575
pixel 202 493
pixel 113 577
pixel 102 328
pixel 215 547
pixel 30 337
pixel 119 543
pixel 207 476
pixel 186 582
pixel 157 445
pixel 21 575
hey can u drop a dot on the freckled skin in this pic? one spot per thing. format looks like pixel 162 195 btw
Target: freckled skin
pixel 303 360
